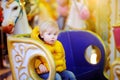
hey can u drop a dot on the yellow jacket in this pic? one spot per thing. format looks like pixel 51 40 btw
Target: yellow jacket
pixel 57 51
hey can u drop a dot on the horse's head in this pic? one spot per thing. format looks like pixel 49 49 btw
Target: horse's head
pixel 11 13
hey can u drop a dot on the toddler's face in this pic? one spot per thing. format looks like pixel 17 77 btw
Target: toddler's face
pixel 50 36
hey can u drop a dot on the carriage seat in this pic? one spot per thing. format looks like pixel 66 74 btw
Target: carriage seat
pixel 75 44
pixel 22 51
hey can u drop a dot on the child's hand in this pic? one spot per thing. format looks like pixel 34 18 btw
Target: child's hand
pixel 43 68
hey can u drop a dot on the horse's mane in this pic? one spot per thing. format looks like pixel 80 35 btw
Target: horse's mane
pixel 27 6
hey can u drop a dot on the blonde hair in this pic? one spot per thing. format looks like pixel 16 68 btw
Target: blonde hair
pixel 48 24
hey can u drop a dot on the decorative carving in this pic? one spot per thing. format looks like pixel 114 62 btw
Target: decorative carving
pixel 22 53
pixel 115 70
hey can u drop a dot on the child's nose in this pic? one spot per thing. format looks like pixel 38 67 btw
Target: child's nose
pixel 53 37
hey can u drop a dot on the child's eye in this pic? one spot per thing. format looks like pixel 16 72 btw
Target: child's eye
pixel 55 34
pixel 49 33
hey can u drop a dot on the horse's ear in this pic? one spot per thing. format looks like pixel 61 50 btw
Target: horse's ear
pixel 9 2
pixel 22 2
pixel 26 5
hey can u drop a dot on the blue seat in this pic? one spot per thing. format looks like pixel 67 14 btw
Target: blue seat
pixel 75 44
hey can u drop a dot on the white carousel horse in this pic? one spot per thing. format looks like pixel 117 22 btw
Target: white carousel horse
pixel 77 15
pixel 15 15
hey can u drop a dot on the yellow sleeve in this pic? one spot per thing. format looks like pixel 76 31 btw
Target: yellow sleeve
pixel 35 33
pixel 37 62
pixel 59 50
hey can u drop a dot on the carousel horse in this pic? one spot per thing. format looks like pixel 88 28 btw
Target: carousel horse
pixel 78 14
pixel 22 51
pixel 15 18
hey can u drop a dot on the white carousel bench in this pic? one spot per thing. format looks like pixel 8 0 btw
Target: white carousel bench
pixel 22 52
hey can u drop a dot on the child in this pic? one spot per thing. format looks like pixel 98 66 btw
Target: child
pixel 48 33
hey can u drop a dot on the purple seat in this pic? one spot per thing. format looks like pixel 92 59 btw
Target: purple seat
pixel 75 43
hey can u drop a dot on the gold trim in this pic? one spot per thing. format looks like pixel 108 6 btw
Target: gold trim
pixel 113 65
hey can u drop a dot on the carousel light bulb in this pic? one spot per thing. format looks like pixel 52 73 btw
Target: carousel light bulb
pixel 93 58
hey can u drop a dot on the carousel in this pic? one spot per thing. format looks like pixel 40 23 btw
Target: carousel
pixel 89 33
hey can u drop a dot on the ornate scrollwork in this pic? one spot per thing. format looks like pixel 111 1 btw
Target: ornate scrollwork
pixel 22 54
pixel 21 51
pixel 115 70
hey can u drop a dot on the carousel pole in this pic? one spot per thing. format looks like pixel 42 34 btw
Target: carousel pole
pixel 116 29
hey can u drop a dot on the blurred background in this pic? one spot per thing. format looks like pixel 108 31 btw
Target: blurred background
pixel 99 16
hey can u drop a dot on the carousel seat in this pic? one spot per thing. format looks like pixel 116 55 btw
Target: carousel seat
pixel 22 51
pixel 75 44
